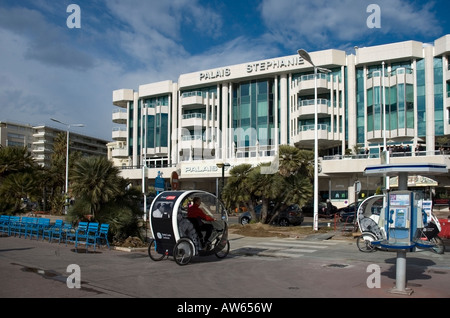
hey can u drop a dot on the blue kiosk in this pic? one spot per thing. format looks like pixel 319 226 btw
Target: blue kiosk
pixel 402 218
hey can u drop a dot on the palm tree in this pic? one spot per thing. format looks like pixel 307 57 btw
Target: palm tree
pixel 15 159
pixel 97 181
pixel 17 186
pixel 293 161
pixel 237 190
pixel 267 187
pixel 17 177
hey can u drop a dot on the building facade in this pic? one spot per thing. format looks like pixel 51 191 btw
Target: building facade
pixel 39 140
pixel 395 94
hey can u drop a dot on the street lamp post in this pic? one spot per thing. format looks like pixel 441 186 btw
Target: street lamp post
pixel 222 166
pixel 303 54
pixel 66 189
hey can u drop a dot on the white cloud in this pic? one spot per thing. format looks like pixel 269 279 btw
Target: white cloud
pixel 48 70
pixel 322 24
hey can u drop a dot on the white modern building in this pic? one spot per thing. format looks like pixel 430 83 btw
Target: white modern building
pixel 39 141
pixel 395 94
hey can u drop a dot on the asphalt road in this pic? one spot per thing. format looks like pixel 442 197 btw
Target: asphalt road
pixel 256 268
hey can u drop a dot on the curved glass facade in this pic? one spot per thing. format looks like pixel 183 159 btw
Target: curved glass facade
pixel 253 113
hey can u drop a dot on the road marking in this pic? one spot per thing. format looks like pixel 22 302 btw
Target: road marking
pixel 289 248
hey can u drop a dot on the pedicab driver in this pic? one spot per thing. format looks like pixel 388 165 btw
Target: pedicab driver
pixel 197 215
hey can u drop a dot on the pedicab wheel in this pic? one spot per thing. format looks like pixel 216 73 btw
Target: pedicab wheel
pixel 439 247
pixel 364 242
pixel 224 252
pixel 183 251
pixel 153 253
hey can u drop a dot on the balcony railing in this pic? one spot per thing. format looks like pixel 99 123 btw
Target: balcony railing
pixel 194 115
pixel 394 154
pixel 311 127
pixel 311 102
pixel 190 94
pixel 311 77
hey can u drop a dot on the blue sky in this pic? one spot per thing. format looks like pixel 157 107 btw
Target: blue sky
pixel 49 70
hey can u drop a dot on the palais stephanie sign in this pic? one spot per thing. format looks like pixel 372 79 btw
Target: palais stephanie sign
pixel 201 168
pixel 255 67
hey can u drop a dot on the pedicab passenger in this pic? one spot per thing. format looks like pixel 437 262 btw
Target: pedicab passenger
pixel 196 215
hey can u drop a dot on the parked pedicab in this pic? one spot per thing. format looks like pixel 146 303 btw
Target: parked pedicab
pixel 174 234
pixel 368 216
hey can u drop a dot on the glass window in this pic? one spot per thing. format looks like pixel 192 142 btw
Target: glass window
pixel 401 105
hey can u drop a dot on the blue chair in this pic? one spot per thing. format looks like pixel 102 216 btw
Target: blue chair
pixel 38 227
pixel 102 234
pixel 4 224
pixel 23 226
pixel 78 234
pixel 91 235
pixel 14 225
pixel 66 230
pixel 54 231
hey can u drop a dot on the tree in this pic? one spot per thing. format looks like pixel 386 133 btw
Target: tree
pixel 15 159
pixel 18 178
pixel 18 186
pixel 97 181
pixel 267 187
pixel 291 184
pixel 237 192
pixel 54 187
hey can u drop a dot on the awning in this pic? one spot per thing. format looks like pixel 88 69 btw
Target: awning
pixel 414 181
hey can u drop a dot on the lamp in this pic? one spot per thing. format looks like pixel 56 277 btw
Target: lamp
pixel 67 160
pixel 222 165
pixel 303 54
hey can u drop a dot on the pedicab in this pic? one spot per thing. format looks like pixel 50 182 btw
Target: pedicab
pixel 367 217
pixel 174 234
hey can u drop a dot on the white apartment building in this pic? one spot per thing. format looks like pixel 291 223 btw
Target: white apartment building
pixel 39 140
pixel 398 94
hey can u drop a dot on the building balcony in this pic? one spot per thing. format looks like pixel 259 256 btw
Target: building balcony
pixel 119 134
pixel 193 141
pixel 157 151
pixel 42 150
pixel 121 97
pixel 193 120
pixel 306 108
pixel 375 135
pixel 307 84
pixel 40 142
pixel 119 117
pixel 306 135
pixel 119 153
pixel 192 98
pixel 43 134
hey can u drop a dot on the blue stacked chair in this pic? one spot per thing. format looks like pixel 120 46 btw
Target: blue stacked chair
pixel 14 222
pixel 66 231
pixel 4 224
pixel 91 235
pixel 102 234
pixel 53 232
pixel 28 225
pixel 78 235
pixel 38 227
pixel 15 225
